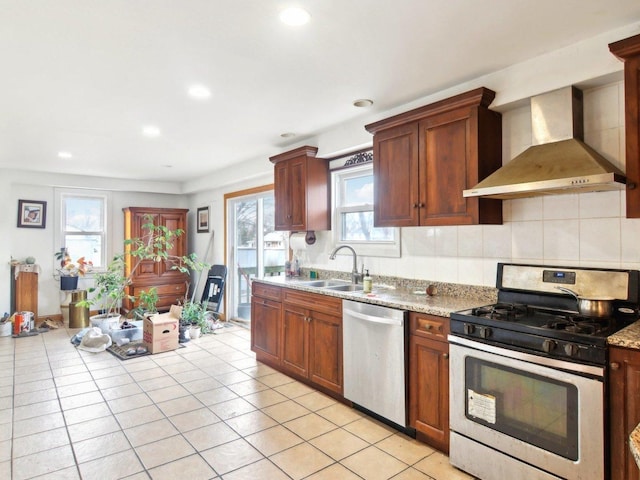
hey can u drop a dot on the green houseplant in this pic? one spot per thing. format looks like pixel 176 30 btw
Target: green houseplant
pixel 111 285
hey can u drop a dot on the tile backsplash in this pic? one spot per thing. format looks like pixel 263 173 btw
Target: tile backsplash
pixel 587 229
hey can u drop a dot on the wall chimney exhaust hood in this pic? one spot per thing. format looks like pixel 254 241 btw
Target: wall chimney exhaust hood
pixel 559 161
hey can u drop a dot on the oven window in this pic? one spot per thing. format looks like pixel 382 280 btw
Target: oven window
pixel 535 409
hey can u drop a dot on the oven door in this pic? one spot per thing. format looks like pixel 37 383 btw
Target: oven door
pixel 544 412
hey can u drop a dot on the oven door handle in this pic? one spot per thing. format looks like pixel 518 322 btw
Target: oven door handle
pixel 578 368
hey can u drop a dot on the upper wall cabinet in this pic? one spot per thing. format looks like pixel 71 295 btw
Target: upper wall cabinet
pixel 423 160
pixel 628 51
pixel 301 190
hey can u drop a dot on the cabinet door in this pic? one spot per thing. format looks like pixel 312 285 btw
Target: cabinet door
pixel 265 329
pixel 325 346
pixel 295 339
pixel 445 150
pixel 429 391
pixel 173 221
pixel 148 271
pixel 282 196
pixel 297 194
pixel 624 410
pixel 395 170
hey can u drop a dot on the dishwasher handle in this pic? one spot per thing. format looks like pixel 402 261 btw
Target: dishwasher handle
pixel 373 319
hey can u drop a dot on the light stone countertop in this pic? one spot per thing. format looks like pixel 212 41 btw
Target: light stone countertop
pixel 634 444
pixel 401 298
pixel 628 337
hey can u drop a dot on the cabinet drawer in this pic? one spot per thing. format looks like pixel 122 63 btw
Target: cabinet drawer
pixel 313 301
pixel 429 326
pixel 266 291
pixel 168 289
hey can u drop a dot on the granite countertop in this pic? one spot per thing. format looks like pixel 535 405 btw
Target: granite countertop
pixel 389 296
pixel 634 444
pixel 628 337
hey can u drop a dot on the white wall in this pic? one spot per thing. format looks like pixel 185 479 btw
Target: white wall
pixel 40 243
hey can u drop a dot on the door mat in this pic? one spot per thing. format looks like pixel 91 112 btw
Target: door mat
pixel 121 352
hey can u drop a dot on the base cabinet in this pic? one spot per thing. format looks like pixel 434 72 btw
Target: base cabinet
pixel 624 410
pixel 429 379
pixel 299 333
pixel 312 338
pixel 266 321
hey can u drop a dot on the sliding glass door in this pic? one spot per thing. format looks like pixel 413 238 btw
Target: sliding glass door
pixel 254 249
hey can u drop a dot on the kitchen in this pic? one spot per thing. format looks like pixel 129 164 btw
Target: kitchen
pixel 586 229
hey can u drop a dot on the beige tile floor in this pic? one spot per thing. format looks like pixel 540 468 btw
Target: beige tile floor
pixel 207 411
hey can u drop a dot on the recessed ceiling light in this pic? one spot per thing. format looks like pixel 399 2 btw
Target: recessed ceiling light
pixel 287 134
pixel 362 103
pixel 199 91
pixel 64 155
pixel 151 131
pixel 294 16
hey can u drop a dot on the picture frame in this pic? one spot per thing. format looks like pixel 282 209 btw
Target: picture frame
pixel 32 214
pixel 202 219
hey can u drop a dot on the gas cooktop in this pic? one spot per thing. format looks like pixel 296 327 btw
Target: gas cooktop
pixel 532 316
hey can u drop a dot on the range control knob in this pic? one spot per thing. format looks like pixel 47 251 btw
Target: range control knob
pixel 468 329
pixel 571 349
pixel 548 345
pixel 485 332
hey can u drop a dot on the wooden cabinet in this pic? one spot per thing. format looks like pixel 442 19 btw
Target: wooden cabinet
pixel 312 338
pixel 25 292
pixel 628 50
pixel 624 410
pixel 298 333
pixel 429 379
pixel 266 322
pixel 423 160
pixel 171 284
pixel 301 190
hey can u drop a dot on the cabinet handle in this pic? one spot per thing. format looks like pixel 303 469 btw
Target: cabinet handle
pixel 445 355
pixel 421 205
pixel 614 365
pixel 415 205
pixel 428 326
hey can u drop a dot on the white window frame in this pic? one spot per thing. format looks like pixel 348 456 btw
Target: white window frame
pixel 368 248
pixel 59 235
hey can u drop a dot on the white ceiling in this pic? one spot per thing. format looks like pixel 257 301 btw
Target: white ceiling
pixel 85 76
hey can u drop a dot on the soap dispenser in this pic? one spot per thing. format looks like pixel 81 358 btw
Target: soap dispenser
pixel 367 283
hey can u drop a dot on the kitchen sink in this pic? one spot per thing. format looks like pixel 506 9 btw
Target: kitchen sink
pixel 346 288
pixel 324 283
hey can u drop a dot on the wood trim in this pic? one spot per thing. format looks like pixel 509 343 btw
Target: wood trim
pixel 305 151
pixel 227 197
pixel 479 97
pixel 626 48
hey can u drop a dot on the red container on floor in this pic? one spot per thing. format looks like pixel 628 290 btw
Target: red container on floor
pixel 18 319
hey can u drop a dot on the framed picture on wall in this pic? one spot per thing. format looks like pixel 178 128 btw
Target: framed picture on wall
pixel 32 214
pixel 203 219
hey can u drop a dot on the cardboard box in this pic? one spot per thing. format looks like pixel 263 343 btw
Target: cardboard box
pixel 160 331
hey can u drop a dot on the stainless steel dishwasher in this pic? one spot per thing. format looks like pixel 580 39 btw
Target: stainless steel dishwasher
pixel 374 341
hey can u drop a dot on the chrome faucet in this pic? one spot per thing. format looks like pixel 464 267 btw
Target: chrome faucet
pixel 355 276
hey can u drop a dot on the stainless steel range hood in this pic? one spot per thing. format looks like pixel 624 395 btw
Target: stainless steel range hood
pixel 559 161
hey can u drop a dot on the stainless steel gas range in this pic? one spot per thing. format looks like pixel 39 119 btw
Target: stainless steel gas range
pixel 527 381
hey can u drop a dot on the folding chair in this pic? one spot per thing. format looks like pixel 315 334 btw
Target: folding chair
pixel 214 288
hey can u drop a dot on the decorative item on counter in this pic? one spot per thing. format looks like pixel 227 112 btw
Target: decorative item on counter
pixel 367 283
pixel 30 260
pixel 313 274
pixel 432 290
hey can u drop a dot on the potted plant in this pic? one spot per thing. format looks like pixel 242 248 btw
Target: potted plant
pixel 70 269
pixel 111 285
pixel 147 303
pixel 194 315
